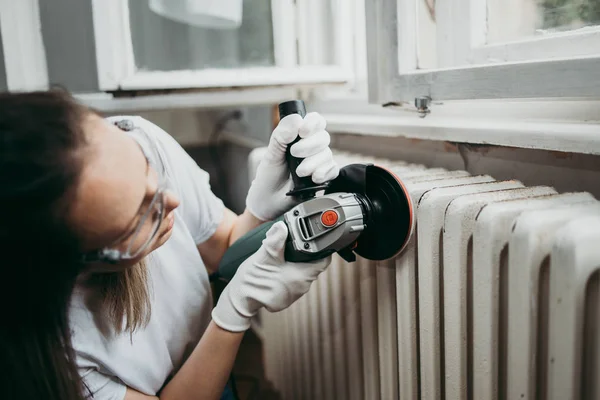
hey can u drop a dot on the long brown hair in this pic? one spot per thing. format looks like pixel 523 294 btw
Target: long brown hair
pixel 40 139
pixel 124 298
pixel 41 142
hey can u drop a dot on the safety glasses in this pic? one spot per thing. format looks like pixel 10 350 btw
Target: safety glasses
pixel 131 245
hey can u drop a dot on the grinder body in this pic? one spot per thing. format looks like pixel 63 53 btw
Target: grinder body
pixel 317 228
pixel 324 225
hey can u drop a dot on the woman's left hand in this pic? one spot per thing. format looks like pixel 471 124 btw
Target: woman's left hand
pixel 267 197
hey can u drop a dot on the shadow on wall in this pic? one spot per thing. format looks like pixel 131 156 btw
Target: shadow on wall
pixel 206 158
pixel 227 165
pixel 226 160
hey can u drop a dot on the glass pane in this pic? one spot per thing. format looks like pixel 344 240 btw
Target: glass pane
pixel 161 44
pixel 510 20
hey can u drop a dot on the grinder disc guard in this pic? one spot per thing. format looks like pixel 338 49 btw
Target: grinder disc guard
pixel 389 209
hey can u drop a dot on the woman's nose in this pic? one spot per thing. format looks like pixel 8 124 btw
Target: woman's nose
pixel 171 201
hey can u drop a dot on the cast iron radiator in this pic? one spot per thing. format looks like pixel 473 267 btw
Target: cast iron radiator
pixel 495 297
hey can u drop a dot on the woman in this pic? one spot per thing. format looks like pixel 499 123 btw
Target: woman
pixel 107 231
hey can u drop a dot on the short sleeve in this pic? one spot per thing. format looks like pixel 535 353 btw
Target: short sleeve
pixel 201 210
pixel 98 386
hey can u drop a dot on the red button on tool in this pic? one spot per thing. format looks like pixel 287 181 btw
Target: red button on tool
pixel 329 218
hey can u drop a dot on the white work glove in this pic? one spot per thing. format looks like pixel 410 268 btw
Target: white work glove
pixel 265 279
pixel 267 198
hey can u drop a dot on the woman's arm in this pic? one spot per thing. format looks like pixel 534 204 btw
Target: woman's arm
pixel 231 228
pixel 205 373
pixel 264 280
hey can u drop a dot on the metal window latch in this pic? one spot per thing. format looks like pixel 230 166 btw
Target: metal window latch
pixel 422 105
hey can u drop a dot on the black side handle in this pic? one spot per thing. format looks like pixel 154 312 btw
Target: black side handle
pixel 304 187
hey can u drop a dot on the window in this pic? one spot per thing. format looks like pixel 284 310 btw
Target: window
pixel 483 49
pixel 280 42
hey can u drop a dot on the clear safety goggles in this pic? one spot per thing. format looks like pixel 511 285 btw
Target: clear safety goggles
pixel 152 214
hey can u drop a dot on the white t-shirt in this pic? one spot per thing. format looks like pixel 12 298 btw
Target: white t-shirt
pixel 180 292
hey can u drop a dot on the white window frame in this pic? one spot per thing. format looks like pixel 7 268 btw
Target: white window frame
pixel 462 43
pixel 466 106
pixel 24 55
pixel 352 23
pixel 392 43
pixel 117 70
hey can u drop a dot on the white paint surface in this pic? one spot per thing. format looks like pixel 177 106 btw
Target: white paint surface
pixel 199 100
pixel 574 259
pixel 430 216
pixel 24 55
pixel 530 244
pixel 490 238
pixel 459 222
pixel 406 287
pixel 389 44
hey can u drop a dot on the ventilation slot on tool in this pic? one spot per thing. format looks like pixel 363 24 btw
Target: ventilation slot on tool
pixel 493 296
pixel 305 228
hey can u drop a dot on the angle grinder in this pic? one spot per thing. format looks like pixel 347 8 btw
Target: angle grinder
pixel 365 211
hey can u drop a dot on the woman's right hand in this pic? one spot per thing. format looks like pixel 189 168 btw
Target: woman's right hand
pixel 265 279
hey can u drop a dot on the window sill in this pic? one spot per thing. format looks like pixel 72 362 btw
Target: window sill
pixel 248 77
pixel 202 99
pixel 557 126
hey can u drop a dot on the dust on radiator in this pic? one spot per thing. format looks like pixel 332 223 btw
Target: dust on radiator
pixel 496 297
